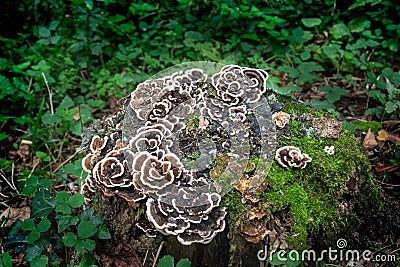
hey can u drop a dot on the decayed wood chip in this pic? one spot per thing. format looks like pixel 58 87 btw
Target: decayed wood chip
pixel 369 140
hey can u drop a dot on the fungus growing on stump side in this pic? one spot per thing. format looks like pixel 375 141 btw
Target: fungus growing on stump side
pixel 281 118
pixel 291 156
pixel 147 153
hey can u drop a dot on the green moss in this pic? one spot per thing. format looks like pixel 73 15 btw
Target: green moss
pixel 233 202
pixel 311 194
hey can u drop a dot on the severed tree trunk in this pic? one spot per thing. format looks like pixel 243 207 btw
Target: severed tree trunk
pixel 240 177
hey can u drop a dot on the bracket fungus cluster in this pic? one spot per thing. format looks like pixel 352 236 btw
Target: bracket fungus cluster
pixel 165 152
pixel 291 156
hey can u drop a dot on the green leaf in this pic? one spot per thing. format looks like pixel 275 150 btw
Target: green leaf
pixel 3 136
pixel 33 251
pixel 274 260
pixel 103 233
pixel 76 201
pixel 74 169
pixel 40 261
pixel 333 93
pixel 88 259
pixel 42 204
pixel 183 263
pixel 66 103
pixel 305 55
pixel 86 215
pixel 391 106
pixel 166 261
pixel 359 24
pixel 349 126
pixel 62 197
pixel 321 105
pixel 390 88
pixel 339 31
pixel 32 237
pixel 63 208
pixel 311 22
pixel 377 95
pixel 64 221
pixel 43 225
pixel 69 239
pixel 359 3
pixel 6 259
pixel 44 32
pixel 28 224
pixel 51 119
pixel 86 229
pixel 85 245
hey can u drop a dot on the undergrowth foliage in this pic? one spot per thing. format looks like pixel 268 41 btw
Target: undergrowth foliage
pixel 64 62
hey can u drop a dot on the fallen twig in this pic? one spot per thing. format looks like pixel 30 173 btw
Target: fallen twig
pixel 158 254
pixel 50 94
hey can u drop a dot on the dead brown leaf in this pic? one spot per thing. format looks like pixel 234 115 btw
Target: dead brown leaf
pixel 384 135
pixel 12 214
pixel 369 140
pixel 23 152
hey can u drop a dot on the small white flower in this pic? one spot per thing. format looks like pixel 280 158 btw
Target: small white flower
pixel 329 150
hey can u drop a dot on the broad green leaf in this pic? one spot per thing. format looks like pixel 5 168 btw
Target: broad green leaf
pixel 33 251
pixel 305 55
pixel 321 105
pixel 89 4
pixel 363 3
pixel 349 126
pixel 64 221
pixel 166 261
pixel 33 237
pixel 51 119
pixel 275 260
pixel 86 229
pixel 311 22
pixel 390 88
pixel 6 260
pixel 3 136
pixel 391 106
pixel 339 31
pixel 28 224
pixel 62 197
pixel 44 32
pixel 76 128
pixel 69 239
pixel 359 24
pixel 42 155
pixel 377 95
pixel 66 103
pixel 76 201
pixel 103 233
pixel 74 169
pixel 85 245
pixel 40 261
pixel 42 204
pixel 183 263
pixel 63 208
pixel 86 214
pixel 43 225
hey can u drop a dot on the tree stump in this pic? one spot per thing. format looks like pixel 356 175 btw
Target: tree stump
pixel 205 162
